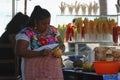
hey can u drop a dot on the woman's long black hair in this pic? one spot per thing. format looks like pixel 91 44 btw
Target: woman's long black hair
pixel 14 26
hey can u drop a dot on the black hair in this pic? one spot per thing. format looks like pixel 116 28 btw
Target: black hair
pixel 14 26
pixel 38 14
pixel 73 21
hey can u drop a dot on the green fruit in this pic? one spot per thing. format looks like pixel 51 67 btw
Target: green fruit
pixel 87 66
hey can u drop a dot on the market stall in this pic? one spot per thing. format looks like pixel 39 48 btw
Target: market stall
pixel 89 39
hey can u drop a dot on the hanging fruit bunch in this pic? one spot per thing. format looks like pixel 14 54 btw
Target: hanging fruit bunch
pixel 80 28
pixel 100 27
pixel 79 24
pixel 69 32
pixel 115 34
pixel 86 25
pixel 112 24
pixel 106 27
pixel 62 30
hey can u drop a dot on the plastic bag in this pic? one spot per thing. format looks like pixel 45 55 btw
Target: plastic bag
pixel 110 77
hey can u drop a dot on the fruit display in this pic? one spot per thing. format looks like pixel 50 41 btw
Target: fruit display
pixel 84 66
pixel 97 29
pixel 62 30
pixel 100 53
pixel 68 31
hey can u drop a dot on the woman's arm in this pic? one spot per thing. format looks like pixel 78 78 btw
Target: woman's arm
pixel 21 50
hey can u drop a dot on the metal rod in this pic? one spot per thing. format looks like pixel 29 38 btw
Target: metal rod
pixel 13 8
pixel 25 7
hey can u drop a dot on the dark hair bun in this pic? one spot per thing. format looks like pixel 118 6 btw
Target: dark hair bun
pixel 37 7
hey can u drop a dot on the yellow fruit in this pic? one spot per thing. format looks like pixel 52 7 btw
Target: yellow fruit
pixel 57 52
pixel 87 66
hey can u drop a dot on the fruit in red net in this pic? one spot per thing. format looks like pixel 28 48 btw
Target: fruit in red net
pixel 78 63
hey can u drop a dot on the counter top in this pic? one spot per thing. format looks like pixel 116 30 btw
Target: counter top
pixel 80 75
pixel 72 74
pixel 80 71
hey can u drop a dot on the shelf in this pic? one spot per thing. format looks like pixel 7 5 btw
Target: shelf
pixel 65 19
pixel 90 15
pixel 80 75
pixel 105 43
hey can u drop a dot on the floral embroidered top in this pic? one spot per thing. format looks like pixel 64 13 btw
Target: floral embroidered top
pixel 37 40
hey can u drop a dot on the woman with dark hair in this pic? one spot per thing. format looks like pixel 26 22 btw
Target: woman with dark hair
pixel 7 43
pixel 36 43
pixel 14 26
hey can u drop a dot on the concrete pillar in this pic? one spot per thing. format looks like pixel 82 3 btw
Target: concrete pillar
pixel 103 7
pixel 13 8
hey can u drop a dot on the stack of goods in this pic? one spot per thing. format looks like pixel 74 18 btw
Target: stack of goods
pixel 84 66
pixel 107 54
pixel 95 30
pixel 99 29
pixel 107 62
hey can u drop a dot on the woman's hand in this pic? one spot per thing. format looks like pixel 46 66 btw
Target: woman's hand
pixel 57 53
pixel 45 52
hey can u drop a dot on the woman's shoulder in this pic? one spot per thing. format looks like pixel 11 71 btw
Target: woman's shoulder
pixel 26 29
pixel 22 36
pixel 53 29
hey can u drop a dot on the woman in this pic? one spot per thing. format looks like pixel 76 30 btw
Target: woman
pixel 14 26
pixel 41 64
pixel 7 41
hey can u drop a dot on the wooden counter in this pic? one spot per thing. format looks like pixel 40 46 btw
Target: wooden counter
pixel 80 75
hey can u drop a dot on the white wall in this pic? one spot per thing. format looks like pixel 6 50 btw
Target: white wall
pixel 51 5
